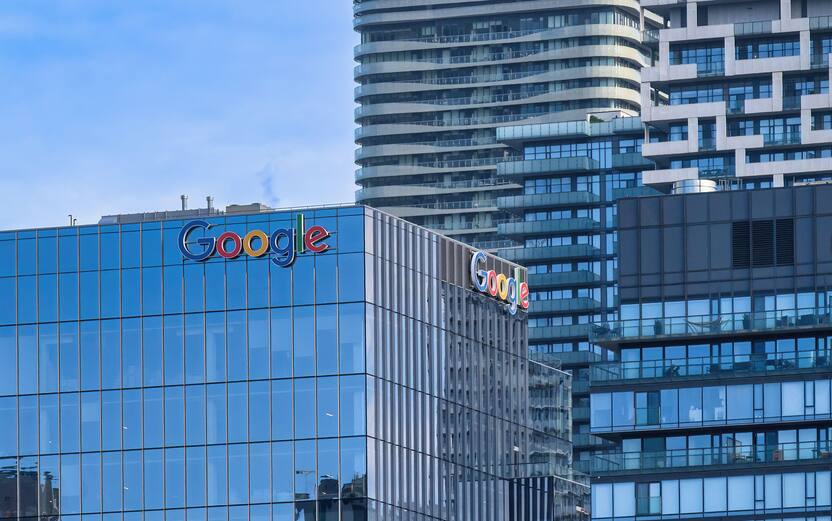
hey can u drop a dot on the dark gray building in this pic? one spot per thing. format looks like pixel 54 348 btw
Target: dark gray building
pixel 720 400
pixel 438 77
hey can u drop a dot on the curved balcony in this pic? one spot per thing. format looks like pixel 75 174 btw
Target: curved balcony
pixel 429 189
pixel 569 305
pixel 544 166
pixel 441 208
pixel 572 251
pixel 793 453
pixel 434 126
pixel 564 279
pixel 438 167
pixel 579 331
pixel 425 147
pixel 530 201
pixel 526 228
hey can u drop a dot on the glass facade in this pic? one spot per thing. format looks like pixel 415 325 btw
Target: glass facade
pixel 136 384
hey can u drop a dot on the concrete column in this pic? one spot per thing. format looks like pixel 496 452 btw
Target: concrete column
pixel 785 9
pixel 777 181
pixel 693 134
pixel 777 91
pixel 693 19
pixel 739 162
pixel 805 50
pixel 721 133
pixel 730 55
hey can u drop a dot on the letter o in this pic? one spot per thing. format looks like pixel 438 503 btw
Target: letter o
pixel 493 284
pixel 223 239
pixel 502 286
pixel 264 243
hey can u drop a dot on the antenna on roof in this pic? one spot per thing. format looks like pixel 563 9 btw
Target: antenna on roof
pixel 184 199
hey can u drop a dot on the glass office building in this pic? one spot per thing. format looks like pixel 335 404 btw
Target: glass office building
pixel 319 364
pixel 720 400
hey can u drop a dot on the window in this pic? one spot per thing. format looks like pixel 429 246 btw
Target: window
pixel 648 498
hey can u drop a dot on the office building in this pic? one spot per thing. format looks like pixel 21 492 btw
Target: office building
pixel 563 224
pixel 332 363
pixel 437 78
pixel 739 94
pixel 720 398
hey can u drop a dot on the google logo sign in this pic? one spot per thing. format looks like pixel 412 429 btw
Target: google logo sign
pixel 284 243
pixel 507 289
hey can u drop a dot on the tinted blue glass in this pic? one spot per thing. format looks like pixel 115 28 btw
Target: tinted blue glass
pixel 91 482
pixel 133 485
pixel 70 483
pixel 173 289
pixel 27 354
pixel 47 298
pixel 154 414
pixel 152 359
pixel 132 430
pixel 304 408
pixel 50 473
pixel 110 354
pixel 353 408
pixel 280 285
pixel 109 251
pixel 258 283
pixel 195 415
pixel 8 354
pixel 28 426
pixel 237 474
pixel 152 291
pixel 88 246
pixel 111 481
pixel 281 409
pixel 110 294
pixel 151 246
pixel 195 471
pixel 353 467
pixel 49 424
pixel 68 296
pixel 131 292
pixel 174 350
pixel 235 273
pixel 326 279
pixel 217 475
pixel 216 413
pixel 326 326
pixel 27 304
pixel 130 249
pixel 328 468
pixel 175 478
pixel 8 301
pixel 174 416
pixel 350 233
pixel 303 279
pixel 111 425
pixel 47 254
pixel 194 287
pixel 70 377
pixel 327 406
pixel 258 344
pixel 8 419
pixel 351 277
pixel 214 286
pixel 215 347
pixel 48 357
pixel 282 471
pixel 131 352
pixel 237 412
pixel 236 342
pixel 70 422
pixel 305 470
pixel 90 421
pixel 351 337
pixel 68 249
pixel 26 257
pixel 304 341
pixel 28 466
pixel 90 356
pixel 194 349
pixel 89 295
pixel 281 342
pixel 8 266
pixel 154 479
pixel 259 472
pixel 170 248
pixel 258 413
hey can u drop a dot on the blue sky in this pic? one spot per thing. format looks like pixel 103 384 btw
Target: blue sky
pixel 120 106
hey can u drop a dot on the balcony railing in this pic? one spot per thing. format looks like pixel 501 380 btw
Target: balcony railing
pixel 820 22
pixel 711 456
pixel 820 61
pixel 791 102
pixel 781 138
pixel 716 68
pixel 716 366
pixel 749 28
pixel 710 324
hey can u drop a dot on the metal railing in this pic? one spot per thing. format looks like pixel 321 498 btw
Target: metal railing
pixel 456 205
pixel 711 456
pixel 820 22
pixel 710 324
pixel 781 138
pixel 461 122
pixel 820 61
pixel 749 28
pixel 728 365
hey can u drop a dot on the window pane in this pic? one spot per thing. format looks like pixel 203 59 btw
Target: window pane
pixel 351 337
pixel 353 415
